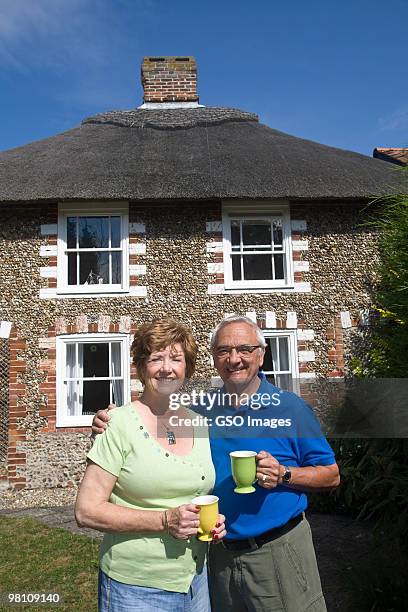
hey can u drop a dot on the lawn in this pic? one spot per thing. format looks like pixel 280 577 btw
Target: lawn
pixel 35 558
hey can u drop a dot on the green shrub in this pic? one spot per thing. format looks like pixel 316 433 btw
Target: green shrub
pixel 374 484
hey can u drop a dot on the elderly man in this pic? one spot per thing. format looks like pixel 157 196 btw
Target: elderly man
pixel 267 561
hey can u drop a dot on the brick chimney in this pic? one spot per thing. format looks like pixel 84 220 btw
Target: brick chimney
pixel 169 79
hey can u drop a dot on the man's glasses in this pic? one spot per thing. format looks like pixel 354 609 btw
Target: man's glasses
pixel 244 350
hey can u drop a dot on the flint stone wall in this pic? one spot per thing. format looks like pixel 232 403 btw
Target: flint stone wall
pixel 341 255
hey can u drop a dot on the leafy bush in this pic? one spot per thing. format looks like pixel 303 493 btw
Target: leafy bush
pixel 390 317
pixel 374 484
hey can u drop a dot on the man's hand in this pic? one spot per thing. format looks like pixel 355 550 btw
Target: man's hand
pixel 310 479
pixel 268 470
pixel 101 419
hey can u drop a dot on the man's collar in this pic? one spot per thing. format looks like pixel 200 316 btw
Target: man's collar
pixel 264 387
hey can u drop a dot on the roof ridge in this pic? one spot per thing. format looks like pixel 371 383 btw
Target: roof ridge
pixel 171 118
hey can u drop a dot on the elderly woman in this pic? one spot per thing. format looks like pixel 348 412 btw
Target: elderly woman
pixel 139 483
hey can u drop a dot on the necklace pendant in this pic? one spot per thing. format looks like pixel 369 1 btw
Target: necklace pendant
pixel 171 438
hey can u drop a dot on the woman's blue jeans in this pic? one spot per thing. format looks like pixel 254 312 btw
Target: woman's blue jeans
pixel 114 596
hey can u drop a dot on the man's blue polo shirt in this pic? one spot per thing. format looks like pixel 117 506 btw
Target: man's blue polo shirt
pixel 299 444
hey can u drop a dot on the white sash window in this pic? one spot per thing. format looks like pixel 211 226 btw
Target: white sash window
pixel 93 250
pixel 257 247
pixel 92 372
pixel 280 363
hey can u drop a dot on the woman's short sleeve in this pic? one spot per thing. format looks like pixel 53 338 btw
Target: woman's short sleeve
pixel 108 450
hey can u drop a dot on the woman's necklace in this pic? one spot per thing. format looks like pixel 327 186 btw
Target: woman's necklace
pixel 170 435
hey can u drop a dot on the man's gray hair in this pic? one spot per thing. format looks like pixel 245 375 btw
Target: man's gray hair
pixel 237 319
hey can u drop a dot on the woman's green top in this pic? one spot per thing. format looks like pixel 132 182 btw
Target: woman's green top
pixel 149 477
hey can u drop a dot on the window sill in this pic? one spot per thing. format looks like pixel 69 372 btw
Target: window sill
pixel 58 294
pixel 295 288
pixel 74 424
pixel 262 287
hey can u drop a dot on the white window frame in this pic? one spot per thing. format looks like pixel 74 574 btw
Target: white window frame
pixel 251 211
pixel 63 419
pixel 292 352
pixel 94 209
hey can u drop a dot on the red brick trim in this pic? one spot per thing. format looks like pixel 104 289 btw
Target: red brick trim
pixel 17 409
pixel 335 352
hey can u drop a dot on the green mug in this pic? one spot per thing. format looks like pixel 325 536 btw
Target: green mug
pixel 243 467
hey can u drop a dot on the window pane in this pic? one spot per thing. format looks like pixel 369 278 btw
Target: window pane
pixel 235 234
pixel 257 267
pixel 116 365
pixel 117 268
pixel 96 360
pixel 115 232
pixel 93 232
pixel 72 268
pixel 279 267
pixel 96 395
pixel 71 232
pixel 94 268
pixel 284 354
pixel 117 392
pixel 72 398
pixel 236 267
pixel 71 365
pixel 277 232
pixel 256 233
pixel 268 364
pixel 284 381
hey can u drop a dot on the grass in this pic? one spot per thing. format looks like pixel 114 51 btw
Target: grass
pixel 37 558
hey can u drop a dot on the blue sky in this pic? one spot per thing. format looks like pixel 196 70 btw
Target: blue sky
pixel 331 71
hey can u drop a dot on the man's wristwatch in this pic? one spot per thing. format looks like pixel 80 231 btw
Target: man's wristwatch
pixel 287 475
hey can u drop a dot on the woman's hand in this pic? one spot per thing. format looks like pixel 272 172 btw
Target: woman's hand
pixel 219 532
pixel 183 521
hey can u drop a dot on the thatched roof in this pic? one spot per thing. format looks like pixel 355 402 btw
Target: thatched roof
pixel 188 154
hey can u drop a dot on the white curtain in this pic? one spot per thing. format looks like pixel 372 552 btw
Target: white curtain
pixel 72 385
pixel 280 360
pixel 116 365
pixel 80 407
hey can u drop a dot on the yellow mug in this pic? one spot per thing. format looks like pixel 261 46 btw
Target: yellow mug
pixel 208 515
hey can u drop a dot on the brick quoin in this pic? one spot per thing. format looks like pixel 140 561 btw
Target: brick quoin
pixel 17 410
pixel 335 351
